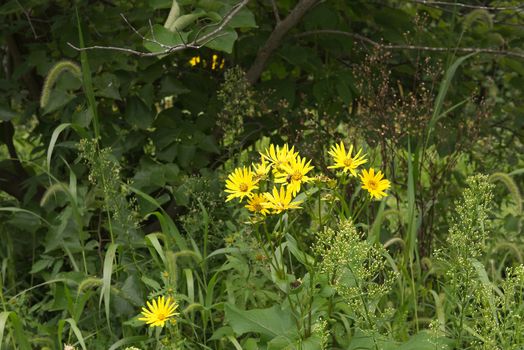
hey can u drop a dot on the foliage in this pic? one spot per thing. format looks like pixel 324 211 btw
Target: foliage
pixel 114 163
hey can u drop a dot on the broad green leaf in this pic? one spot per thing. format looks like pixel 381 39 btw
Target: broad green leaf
pixel 271 322
pixel 161 39
pixel 138 114
pixel 20 336
pixel 223 41
pixel 243 19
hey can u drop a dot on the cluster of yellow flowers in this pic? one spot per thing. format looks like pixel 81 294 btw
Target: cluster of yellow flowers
pixel 373 182
pixel 216 63
pixel 290 171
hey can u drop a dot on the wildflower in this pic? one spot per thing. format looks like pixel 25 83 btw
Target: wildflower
pixel 160 311
pixel 261 169
pixel 345 160
pixel 281 200
pixel 258 204
pixel 280 157
pixel 194 61
pixel 240 183
pixel 295 174
pixel 216 64
pixel 374 183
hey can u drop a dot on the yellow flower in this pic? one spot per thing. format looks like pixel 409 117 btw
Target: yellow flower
pixel 160 311
pixel 281 200
pixel 261 169
pixel 280 157
pixel 295 174
pixel 374 183
pixel 258 204
pixel 194 61
pixel 240 183
pixel 345 160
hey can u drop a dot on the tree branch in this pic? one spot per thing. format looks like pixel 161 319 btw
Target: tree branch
pixel 414 47
pixel 197 43
pixel 275 38
pixel 458 4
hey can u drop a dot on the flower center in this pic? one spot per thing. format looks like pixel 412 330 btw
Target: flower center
pixel 161 316
pixel 297 176
pixel 348 162
pixel 243 187
pixel 257 207
pixel 372 184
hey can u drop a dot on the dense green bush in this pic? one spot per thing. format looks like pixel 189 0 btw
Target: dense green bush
pixel 127 129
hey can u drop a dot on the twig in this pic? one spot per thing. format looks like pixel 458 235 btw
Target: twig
pixel 224 22
pixel 413 47
pixel 275 10
pixel 154 41
pixel 26 14
pixel 458 4
pixel 197 43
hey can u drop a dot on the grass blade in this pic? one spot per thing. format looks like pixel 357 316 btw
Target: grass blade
pixel 86 79
pixel 105 295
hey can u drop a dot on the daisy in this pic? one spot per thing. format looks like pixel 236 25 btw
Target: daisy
pixel 374 183
pixel 240 184
pixel 258 204
pixel 281 200
pixel 295 174
pixel 160 311
pixel 280 157
pixel 345 160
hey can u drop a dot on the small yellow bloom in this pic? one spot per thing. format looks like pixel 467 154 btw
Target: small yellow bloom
pixel 194 61
pixel 160 311
pixel 280 157
pixel 279 201
pixel 345 160
pixel 295 174
pixel 240 184
pixel 258 204
pixel 214 62
pixel 374 183
pixel 261 169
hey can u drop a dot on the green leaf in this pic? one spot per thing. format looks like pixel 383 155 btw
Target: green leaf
pixel 271 322
pixel 161 39
pixel 58 99
pixel 223 41
pixel 19 335
pixel 105 294
pixel 54 137
pixel 243 19
pixel 138 114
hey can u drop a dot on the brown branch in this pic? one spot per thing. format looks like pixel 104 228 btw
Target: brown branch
pixel 458 4
pixel 26 14
pixel 275 38
pixel 413 47
pixel 275 10
pixel 197 43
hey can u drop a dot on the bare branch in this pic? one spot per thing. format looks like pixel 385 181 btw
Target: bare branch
pixel 275 10
pixel 26 14
pixel 275 38
pixel 224 22
pixel 413 47
pixel 197 43
pixel 154 41
pixel 458 4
